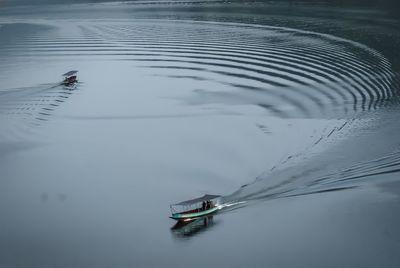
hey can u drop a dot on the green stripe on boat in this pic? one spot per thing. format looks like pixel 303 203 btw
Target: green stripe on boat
pixel 193 215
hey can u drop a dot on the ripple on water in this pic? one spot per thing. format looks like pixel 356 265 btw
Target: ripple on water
pixel 285 72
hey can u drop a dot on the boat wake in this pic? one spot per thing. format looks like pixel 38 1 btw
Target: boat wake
pixel 351 163
pixel 228 206
pixel 24 109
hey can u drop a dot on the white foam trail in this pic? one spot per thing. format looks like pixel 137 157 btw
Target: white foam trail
pixel 221 206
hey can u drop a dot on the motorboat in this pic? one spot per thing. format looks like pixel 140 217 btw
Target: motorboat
pixel 70 78
pixel 189 210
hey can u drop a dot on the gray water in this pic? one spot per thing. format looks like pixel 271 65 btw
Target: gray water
pixel 288 110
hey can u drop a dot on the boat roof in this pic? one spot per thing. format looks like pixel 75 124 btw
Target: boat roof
pixel 197 200
pixel 70 73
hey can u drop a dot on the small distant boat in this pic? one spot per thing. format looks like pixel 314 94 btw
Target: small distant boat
pixel 195 208
pixel 70 78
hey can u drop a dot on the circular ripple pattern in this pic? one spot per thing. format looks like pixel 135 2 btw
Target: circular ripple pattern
pixel 286 72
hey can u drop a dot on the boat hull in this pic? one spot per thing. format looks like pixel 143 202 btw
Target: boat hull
pixel 71 80
pixel 193 216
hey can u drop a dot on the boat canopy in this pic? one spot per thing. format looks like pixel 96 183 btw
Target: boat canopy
pixel 197 200
pixel 70 73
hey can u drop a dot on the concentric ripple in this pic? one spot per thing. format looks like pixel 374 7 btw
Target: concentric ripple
pixel 286 72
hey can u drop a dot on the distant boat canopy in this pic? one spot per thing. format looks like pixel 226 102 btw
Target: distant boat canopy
pixel 70 73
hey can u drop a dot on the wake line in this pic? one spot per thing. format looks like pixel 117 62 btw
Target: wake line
pixel 23 109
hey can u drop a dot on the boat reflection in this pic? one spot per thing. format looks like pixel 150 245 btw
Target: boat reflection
pixel 188 229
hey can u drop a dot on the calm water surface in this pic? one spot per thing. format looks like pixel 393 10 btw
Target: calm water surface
pixel 288 110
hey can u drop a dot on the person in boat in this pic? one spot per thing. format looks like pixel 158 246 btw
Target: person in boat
pixel 203 206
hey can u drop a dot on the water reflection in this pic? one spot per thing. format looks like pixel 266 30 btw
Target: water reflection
pixel 188 229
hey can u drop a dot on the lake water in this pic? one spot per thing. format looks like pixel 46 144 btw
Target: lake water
pixel 288 110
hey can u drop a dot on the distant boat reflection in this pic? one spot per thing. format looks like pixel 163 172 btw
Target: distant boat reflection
pixel 189 229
